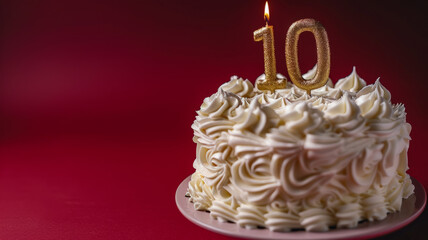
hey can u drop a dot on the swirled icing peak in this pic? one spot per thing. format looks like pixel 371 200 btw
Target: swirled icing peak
pixel 255 118
pixel 301 118
pixel 239 86
pixel 345 115
pixel 219 105
pixel 352 83
pixel 378 88
pixel 374 101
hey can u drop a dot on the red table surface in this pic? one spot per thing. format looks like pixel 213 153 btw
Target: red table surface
pixel 97 99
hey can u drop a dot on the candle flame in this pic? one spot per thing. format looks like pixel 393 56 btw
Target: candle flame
pixel 267 12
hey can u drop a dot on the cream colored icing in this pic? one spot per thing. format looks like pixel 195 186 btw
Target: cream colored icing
pixel 239 86
pixel 288 160
pixel 352 83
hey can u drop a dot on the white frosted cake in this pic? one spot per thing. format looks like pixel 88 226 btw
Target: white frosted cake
pixel 290 160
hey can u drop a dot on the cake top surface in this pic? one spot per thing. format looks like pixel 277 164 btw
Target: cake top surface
pixel 344 108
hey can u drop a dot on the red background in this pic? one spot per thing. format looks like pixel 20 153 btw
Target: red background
pixel 97 99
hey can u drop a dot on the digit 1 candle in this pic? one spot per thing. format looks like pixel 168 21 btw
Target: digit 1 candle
pixel 323 54
pixel 265 34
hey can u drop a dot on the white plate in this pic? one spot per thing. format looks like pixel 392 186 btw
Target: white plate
pixel 411 208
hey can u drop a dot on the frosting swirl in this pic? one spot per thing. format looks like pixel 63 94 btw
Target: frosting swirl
pixel 256 118
pixel 214 167
pixel 344 114
pixel 352 83
pixel 219 105
pixel 301 118
pixel 200 194
pixel 374 101
pixel 239 86
pixel 378 88
pixel 212 117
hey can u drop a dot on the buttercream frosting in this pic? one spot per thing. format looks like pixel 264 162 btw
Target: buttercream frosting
pixel 288 160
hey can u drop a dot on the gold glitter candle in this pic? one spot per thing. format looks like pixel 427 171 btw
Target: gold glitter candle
pixel 265 34
pixel 323 54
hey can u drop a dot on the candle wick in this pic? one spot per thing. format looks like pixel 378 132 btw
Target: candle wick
pixel 267 21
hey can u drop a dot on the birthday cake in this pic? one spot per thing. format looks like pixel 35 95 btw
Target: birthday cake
pixel 289 160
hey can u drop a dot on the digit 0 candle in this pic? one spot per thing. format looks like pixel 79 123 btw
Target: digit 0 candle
pixel 323 54
pixel 265 34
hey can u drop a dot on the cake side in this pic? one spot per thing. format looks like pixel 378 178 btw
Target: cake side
pixel 288 160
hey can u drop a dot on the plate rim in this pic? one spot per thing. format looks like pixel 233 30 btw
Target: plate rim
pixel 373 230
